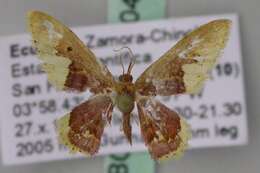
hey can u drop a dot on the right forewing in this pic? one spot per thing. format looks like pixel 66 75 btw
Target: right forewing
pixel 184 68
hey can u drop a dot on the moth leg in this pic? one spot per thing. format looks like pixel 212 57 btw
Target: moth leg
pixel 81 130
pixel 127 128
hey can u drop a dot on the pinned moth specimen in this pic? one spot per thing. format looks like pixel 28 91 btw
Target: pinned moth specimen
pixel 71 66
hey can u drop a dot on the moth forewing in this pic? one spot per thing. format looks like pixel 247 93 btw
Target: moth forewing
pixel 70 65
pixel 184 68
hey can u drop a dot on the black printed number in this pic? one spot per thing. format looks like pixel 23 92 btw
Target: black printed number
pixel 130 15
pixel 37 147
pixel 119 165
pixel 232 109
pixel 23 129
pixel 118 168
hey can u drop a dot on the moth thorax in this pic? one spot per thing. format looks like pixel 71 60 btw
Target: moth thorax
pixel 125 78
pixel 125 103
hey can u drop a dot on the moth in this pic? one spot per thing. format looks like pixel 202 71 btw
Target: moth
pixel 71 66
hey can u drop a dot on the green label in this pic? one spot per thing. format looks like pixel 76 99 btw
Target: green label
pixel 129 163
pixel 135 10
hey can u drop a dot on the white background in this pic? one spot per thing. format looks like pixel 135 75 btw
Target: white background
pixel 83 12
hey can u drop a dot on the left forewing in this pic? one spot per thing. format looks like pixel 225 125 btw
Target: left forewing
pixel 184 68
pixel 164 132
pixel 70 65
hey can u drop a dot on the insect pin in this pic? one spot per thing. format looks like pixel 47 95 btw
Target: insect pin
pixel 71 66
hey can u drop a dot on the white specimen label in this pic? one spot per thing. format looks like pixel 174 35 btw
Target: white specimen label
pixel 30 105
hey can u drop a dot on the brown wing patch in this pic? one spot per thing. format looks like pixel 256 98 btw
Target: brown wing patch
pixel 82 129
pixel 170 83
pixel 70 65
pixel 184 68
pixel 164 132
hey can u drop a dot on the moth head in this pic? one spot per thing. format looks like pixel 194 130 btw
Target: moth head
pixel 125 78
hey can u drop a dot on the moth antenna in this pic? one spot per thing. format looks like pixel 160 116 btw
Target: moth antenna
pixel 120 58
pixel 133 59
pixel 121 62
pixel 132 62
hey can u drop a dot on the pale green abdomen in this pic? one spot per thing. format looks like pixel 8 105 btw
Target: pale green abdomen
pixel 125 103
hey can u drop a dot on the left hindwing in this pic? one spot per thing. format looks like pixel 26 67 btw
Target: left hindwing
pixel 81 130
pixel 70 65
pixel 184 68
pixel 164 132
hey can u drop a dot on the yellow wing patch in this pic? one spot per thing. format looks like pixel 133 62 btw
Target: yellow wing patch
pixel 57 69
pixel 63 129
